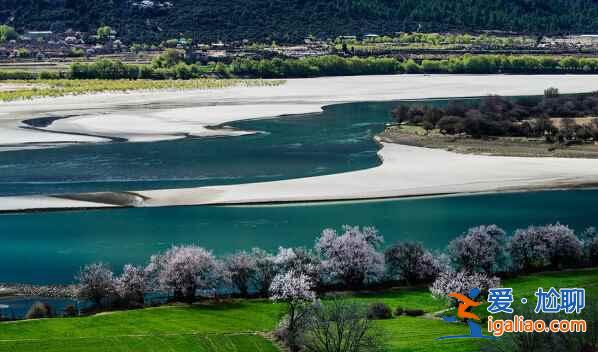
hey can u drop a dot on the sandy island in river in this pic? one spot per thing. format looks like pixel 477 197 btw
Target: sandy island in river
pixel 406 171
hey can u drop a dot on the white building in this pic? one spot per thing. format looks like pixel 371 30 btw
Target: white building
pixel 588 39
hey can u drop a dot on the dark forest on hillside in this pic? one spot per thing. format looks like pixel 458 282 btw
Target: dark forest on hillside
pixel 292 20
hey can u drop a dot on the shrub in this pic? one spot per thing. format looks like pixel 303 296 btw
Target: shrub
pixel 7 33
pixel 17 74
pixel 169 58
pixel 76 52
pixel 411 66
pixel 399 311
pixel 414 312
pixel 450 125
pixel 49 75
pixel 70 311
pixel 38 310
pixel 104 32
pixel 378 311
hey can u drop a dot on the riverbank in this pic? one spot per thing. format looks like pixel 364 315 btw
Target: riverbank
pixel 496 146
pixel 29 290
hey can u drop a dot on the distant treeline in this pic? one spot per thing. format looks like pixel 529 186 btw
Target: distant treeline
pixel 478 64
pixel 331 65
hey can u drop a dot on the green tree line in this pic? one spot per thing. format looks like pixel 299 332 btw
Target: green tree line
pixel 469 64
pixel 331 65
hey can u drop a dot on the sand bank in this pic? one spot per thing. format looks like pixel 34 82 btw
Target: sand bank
pixel 160 115
pixel 173 124
pixel 406 171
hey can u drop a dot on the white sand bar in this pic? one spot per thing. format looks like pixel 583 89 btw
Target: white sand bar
pixel 171 124
pixel 406 171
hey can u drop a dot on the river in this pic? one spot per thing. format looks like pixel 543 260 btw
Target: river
pixel 50 247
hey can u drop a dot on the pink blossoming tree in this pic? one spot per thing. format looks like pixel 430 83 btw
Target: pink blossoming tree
pixel 351 258
pixel 183 270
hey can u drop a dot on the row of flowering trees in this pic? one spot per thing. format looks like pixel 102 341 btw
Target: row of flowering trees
pixel 483 253
pixel 350 259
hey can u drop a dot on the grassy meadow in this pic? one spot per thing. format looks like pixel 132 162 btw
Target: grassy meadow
pixel 240 325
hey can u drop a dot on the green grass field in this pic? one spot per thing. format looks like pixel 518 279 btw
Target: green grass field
pixel 153 343
pixel 239 325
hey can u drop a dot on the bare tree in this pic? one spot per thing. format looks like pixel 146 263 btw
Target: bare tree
pixel 340 326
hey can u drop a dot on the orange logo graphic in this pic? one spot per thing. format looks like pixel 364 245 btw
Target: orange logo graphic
pixel 464 304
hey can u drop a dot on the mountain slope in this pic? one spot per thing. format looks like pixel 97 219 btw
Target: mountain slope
pixel 285 20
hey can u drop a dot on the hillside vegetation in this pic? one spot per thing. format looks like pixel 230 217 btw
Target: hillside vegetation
pixel 291 20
